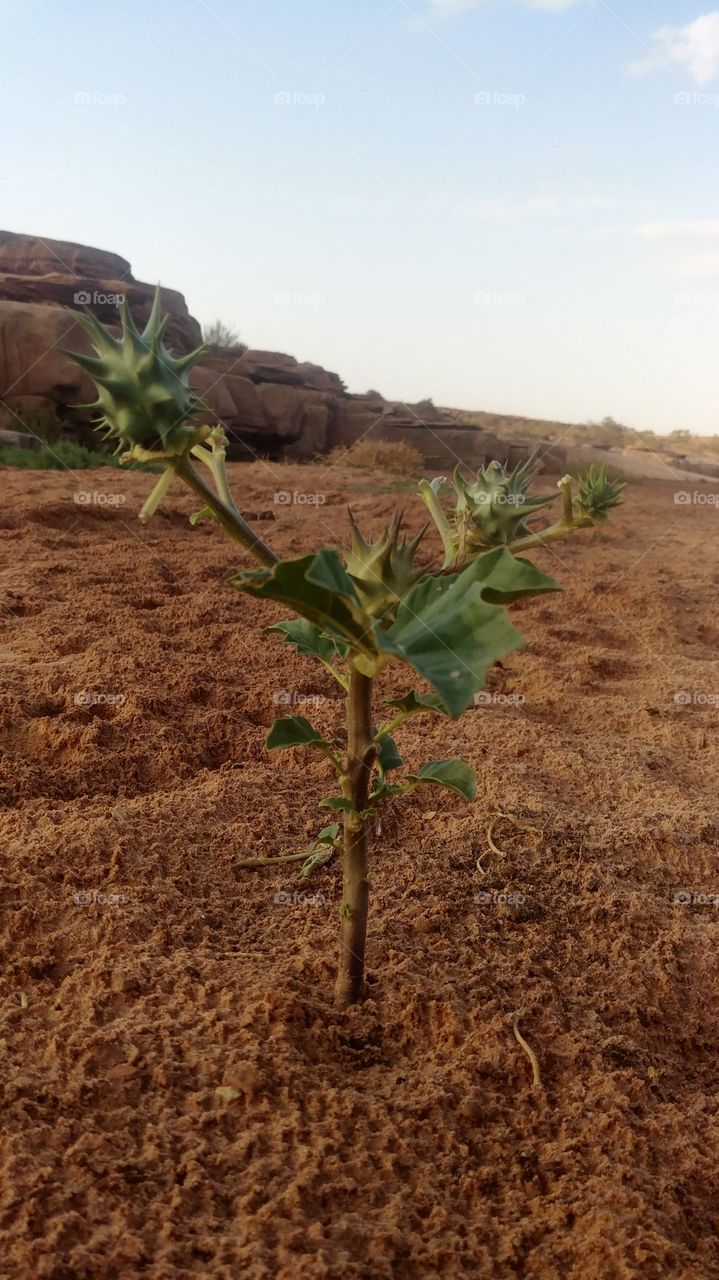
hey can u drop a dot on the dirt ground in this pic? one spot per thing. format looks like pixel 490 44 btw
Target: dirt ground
pixel 179 1097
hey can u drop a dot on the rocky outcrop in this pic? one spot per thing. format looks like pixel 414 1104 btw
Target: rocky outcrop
pixel 270 404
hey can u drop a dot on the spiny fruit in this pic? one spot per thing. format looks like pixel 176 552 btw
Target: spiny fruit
pixel 493 506
pixel 597 494
pixel 144 397
pixel 382 571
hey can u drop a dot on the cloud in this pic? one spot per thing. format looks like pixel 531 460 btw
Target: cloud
pixel 694 47
pixel 702 266
pixel 679 230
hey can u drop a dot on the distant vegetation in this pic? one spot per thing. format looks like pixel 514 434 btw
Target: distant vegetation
pixel 607 434
pixel 62 456
pixel 220 337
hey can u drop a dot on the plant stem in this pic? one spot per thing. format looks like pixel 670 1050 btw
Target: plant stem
pixel 361 752
pixel 230 519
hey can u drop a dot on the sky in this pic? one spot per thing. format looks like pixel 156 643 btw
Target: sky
pixel 507 205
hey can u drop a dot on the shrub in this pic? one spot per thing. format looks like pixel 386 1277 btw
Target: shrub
pixel 392 456
pixel 358 609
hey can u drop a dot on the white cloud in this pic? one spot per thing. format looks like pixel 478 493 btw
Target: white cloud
pixel 679 230
pixel 694 47
pixel 702 266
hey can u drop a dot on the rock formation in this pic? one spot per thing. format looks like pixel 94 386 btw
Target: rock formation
pixel 270 404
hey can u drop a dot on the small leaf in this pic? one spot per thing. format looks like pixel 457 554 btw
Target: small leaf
pixel 294 731
pixel 328 835
pixel 337 802
pixel 388 756
pixel 414 703
pixel 205 514
pixel 454 774
pixel 308 639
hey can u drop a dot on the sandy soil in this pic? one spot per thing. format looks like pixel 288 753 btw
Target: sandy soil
pixel 179 1097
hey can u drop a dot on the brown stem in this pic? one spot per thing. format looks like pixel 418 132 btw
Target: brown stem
pixel 232 522
pixel 355 884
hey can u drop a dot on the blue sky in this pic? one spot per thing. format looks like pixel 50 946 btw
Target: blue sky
pixel 505 206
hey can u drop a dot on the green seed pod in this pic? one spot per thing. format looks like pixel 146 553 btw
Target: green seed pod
pixel 597 494
pixel 144 398
pixel 493 506
pixel 382 571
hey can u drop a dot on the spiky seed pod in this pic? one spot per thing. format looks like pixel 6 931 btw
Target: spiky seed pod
pixel 382 571
pixel 144 398
pixel 597 494
pixel 493 506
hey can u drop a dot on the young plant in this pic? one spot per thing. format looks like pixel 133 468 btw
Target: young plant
pixel 357 610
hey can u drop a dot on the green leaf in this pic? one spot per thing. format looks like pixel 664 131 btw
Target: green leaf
pixel 328 835
pixel 205 514
pixel 451 633
pixel 337 802
pixel 388 756
pixel 318 589
pixel 454 774
pixel 414 703
pixel 294 731
pixel 308 639
pixel 507 577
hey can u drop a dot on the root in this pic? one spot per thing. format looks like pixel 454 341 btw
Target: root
pixel 536 1075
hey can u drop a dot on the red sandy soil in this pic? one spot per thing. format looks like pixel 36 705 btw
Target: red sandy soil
pixel 180 1098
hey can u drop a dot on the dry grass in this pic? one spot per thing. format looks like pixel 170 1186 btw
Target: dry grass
pixel 394 457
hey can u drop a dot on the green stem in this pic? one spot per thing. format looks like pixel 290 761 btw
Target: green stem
pixel 229 517
pixel 151 504
pixel 554 534
pixel 361 754
pixel 434 506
